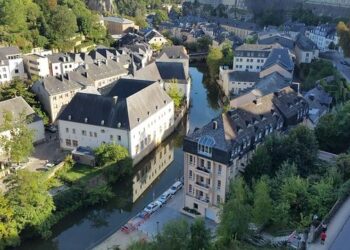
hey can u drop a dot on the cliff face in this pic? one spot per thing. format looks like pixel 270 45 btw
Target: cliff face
pixel 102 6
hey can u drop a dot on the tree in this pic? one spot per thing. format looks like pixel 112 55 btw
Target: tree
pixel 8 226
pixel 214 60
pixel 343 165
pixel 13 15
pixel 235 214
pixel 18 143
pixel 31 203
pixel 175 235
pixel 160 16
pixel 108 153
pixel 227 54
pixel 174 93
pixel 200 236
pixel 262 208
pixel 63 23
pixel 344 37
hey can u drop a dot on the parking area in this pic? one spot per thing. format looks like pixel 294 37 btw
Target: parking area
pixel 152 226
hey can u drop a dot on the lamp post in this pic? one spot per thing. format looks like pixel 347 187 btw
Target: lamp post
pixel 157 227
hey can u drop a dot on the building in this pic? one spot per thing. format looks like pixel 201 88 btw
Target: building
pixel 305 50
pixel 324 36
pixel 319 102
pixel 61 63
pixel 283 40
pixel 235 82
pixel 166 74
pixel 154 38
pixel 241 29
pixel 118 25
pixel 11 64
pixel 175 54
pixel 251 57
pixel 280 61
pixel 55 92
pixel 215 153
pixel 18 107
pixel 141 54
pixel 136 114
pixel 37 63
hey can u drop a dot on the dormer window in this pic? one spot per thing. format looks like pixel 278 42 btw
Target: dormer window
pixel 205 145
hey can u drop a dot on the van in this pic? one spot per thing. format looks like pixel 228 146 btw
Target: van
pixel 175 187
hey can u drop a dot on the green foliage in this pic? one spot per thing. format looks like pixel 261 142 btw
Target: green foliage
pixel 227 54
pixel 262 208
pixel 333 130
pixel 299 146
pixel 175 94
pixel 310 73
pixel 110 153
pixel 8 226
pixel 200 236
pixel 18 145
pixel 30 201
pixel 344 190
pixel 344 37
pixel 214 61
pixel 160 16
pixel 308 17
pixel 235 213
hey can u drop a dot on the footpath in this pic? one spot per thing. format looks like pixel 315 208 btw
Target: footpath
pixel 335 228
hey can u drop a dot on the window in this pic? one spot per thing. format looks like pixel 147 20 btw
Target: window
pixel 190 159
pixel 102 131
pixel 190 189
pixel 209 164
pixel 195 205
pixel 119 138
pixel 205 145
pixel 218 199
pixel 91 134
pixel 73 130
pixel 111 137
pixel 219 169
pixel 219 185
pixel 190 174
pixel 16 71
pixel 202 163
pixel 75 143
pixel 95 134
pixel 67 130
pixel 83 132
pixel 68 142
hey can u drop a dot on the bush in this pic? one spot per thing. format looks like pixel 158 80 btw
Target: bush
pixel 344 190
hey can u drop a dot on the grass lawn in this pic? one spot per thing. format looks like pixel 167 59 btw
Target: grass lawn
pixel 80 172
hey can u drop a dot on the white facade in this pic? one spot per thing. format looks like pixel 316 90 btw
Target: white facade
pixel 303 56
pixel 251 64
pixel 147 134
pixel 11 64
pixel 37 65
pixel 61 68
pixel 321 38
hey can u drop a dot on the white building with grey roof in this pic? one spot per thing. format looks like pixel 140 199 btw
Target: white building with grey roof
pixel 136 114
pixel 55 92
pixel 11 64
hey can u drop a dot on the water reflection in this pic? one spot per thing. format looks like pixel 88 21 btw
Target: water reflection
pixel 151 167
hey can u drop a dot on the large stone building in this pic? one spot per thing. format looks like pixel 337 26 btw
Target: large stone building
pixel 136 114
pixel 118 25
pixel 215 153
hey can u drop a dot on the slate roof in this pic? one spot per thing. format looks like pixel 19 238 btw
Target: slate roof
pixel 305 43
pixel 281 57
pixel 174 52
pixel 284 41
pixel 243 76
pixel 319 103
pixel 58 84
pixel 7 51
pixel 127 104
pixel 116 19
pixel 17 106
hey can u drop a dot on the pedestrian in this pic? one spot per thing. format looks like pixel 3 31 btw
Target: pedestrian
pixel 323 237
pixel 324 227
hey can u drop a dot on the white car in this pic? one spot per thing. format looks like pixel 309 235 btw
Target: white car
pixel 49 165
pixel 165 197
pixel 152 207
pixel 175 187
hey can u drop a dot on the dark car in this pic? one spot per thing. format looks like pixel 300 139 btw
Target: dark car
pixel 51 128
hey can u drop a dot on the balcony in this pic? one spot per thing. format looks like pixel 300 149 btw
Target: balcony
pixel 202 199
pixel 203 185
pixel 204 171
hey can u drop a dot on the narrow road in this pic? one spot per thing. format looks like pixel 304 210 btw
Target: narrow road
pixel 336 58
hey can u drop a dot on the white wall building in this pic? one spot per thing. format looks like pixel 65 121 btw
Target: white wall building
pixel 11 64
pixel 136 114
pixel 323 36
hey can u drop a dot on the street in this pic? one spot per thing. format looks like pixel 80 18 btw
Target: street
pixel 336 58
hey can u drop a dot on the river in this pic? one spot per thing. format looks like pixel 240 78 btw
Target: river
pixel 84 229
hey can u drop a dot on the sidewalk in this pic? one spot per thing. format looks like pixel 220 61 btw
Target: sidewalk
pixel 335 228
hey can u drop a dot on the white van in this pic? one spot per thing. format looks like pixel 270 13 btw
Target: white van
pixel 175 187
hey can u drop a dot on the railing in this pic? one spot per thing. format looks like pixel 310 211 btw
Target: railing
pixel 201 198
pixel 204 170
pixel 202 185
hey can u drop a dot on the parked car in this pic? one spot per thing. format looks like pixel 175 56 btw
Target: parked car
pixel 152 207
pixel 175 187
pixel 49 165
pixel 165 197
pixel 51 128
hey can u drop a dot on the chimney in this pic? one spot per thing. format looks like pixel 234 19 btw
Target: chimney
pixel 69 117
pixel 86 74
pixel 115 99
pixel 106 62
pixel 67 76
pixel 61 77
pixel 86 120
pixel 215 124
pixel 102 122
